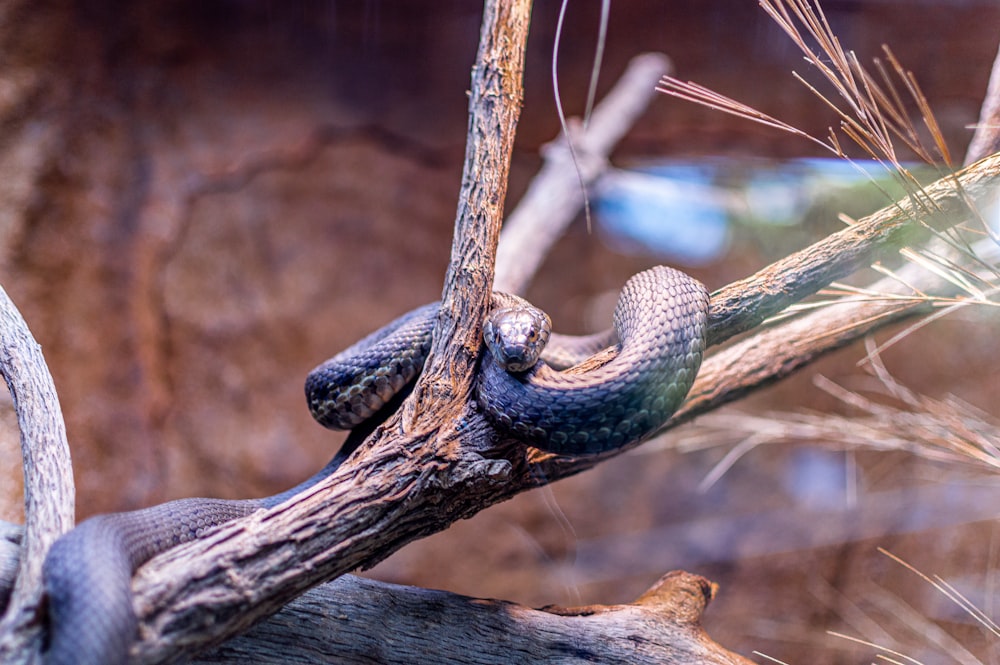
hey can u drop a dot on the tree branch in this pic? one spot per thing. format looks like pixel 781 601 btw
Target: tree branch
pixel 494 108
pixel 351 619
pixel 420 446
pixel 394 493
pixel 775 353
pixel 743 305
pixel 48 476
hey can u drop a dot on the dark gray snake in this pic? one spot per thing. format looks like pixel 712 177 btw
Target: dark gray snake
pixel 613 398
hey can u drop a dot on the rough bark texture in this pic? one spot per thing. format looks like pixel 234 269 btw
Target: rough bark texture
pixel 404 625
pixel 403 487
pixel 48 474
pixel 108 192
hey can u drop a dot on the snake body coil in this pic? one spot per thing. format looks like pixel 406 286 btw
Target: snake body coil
pixel 659 323
pixel 611 399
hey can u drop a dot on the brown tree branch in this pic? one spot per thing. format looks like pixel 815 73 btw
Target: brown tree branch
pixel 772 354
pixel 407 479
pixel 48 476
pixel 394 493
pixel 494 108
pixel 743 305
pixel 351 620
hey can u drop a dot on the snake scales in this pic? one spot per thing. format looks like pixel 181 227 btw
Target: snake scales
pixel 613 398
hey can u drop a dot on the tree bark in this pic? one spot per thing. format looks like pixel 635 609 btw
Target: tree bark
pixel 352 619
pixel 48 475
pixel 438 460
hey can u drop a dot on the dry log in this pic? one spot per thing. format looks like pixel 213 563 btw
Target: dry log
pixel 355 620
pixel 358 620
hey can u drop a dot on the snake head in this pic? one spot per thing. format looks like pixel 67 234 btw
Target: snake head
pixel 516 336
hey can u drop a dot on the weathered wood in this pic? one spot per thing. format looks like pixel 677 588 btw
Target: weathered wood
pixel 48 477
pixel 402 488
pixel 743 305
pixel 494 108
pixel 355 620
pixel 358 620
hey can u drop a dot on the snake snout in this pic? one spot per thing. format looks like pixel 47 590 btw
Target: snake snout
pixel 516 336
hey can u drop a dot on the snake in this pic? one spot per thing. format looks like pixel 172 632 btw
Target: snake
pixel 568 395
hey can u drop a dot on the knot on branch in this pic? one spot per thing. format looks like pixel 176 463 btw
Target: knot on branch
pixel 679 595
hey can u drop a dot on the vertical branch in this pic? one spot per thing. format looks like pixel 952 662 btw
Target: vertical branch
pixel 363 511
pixel 48 474
pixel 494 108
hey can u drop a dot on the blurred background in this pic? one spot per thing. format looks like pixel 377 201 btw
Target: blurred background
pixel 202 201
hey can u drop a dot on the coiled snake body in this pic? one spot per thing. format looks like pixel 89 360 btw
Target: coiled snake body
pixel 613 398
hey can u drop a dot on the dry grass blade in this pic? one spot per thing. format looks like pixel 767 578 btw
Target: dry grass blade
pixel 885 652
pixel 950 593
pixel 923 106
pixel 871 110
pixel 770 658
pixel 919 626
pixel 699 94
pixel 892 418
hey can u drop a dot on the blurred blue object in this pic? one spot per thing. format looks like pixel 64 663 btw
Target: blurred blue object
pixel 683 210
pixel 674 212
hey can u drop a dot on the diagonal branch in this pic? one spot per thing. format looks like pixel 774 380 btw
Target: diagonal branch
pixel 743 305
pixel 408 485
pixel 772 354
pixel 369 514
